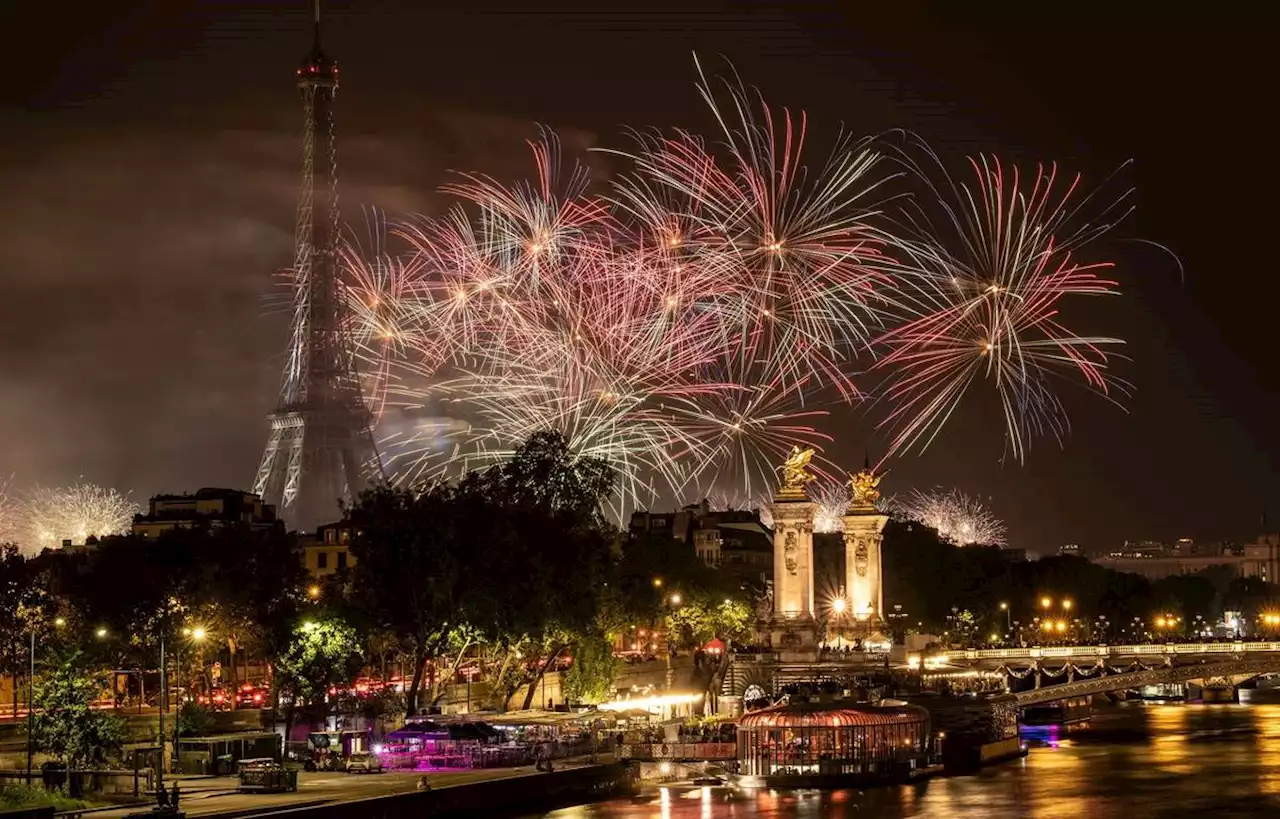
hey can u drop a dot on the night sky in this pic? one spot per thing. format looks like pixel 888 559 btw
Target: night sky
pixel 149 155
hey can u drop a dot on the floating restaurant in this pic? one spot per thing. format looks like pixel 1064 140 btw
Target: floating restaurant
pixel 813 745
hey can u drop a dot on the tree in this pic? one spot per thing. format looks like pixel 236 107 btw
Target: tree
pixel 590 675
pixel 21 599
pixel 66 726
pixel 1187 595
pixel 1250 596
pixel 407 575
pixel 323 654
pixel 559 546
pixel 701 620
pixel 242 587
pixel 132 588
pixel 195 720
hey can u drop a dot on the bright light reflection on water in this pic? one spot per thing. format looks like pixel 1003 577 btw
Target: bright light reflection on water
pixel 1128 762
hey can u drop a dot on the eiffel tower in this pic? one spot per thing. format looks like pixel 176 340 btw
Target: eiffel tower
pixel 320 450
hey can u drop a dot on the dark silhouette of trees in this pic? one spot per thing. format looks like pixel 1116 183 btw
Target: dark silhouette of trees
pixel 928 577
pixel 515 556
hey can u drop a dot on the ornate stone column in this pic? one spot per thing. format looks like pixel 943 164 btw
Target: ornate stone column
pixel 864 576
pixel 792 626
pixel 793 557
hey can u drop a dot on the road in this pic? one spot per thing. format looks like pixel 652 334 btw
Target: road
pixel 216 795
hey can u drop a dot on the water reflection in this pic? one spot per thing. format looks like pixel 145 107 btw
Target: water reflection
pixel 1129 762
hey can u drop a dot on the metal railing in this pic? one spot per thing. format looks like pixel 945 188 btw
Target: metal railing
pixel 1093 652
pixel 1154 676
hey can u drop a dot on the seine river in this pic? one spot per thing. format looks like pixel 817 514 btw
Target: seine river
pixel 1131 761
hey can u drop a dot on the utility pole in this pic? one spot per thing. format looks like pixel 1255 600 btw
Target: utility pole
pixel 31 706
pixel 164 695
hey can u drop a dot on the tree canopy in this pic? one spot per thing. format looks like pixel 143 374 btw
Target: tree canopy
pixel 516 555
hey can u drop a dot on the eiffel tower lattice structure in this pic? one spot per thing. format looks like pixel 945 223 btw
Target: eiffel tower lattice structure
pixel 320 450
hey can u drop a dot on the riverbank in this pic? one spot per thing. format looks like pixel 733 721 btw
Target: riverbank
pixel 341 795
pixel 497 797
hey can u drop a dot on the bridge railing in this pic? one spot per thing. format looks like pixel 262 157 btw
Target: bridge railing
pixel 1092 652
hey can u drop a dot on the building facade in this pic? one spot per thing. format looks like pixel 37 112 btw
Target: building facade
pixel 209 507
pixel 734 541
pixel 328 551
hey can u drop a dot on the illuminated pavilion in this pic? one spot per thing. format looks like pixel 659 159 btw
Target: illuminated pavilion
pixel 792 743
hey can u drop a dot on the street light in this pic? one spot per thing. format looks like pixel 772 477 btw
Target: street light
pixel 838 605
pixel 58 622
pixel 1066 605
pixel 1008 616
pixel 1046 603
pixel 313 592
pixel 196 634
pixel 675 599
pixel 101 634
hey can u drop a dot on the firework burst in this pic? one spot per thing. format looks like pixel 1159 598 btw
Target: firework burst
pixel 833 500
pixel 958 518
pixel 703 312
pixel 74 513
pixel 690 327
pixel 10 514
pixel 986 286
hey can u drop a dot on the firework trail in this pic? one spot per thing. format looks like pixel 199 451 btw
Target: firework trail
pixel 704 311
pixel 690 327
pixel 736 501
pixel 833 500
pixel 958 518
pixel 74 513
pixel 10 514
pixel 984 289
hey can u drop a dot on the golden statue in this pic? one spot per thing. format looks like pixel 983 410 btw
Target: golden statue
pixel 795 471
pixel 865 493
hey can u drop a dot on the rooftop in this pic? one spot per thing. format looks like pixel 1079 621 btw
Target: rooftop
pixel 832 715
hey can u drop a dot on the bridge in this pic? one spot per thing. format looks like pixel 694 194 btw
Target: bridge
pixel 1061 672
pixel 1087 670
pixel 1228 671
pixel 1157 651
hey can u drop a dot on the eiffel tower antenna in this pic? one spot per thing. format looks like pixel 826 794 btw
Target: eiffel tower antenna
pixel 320 449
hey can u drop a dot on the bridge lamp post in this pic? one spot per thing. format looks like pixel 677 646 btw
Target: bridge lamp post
pixel 1008 616
pixel 1046 603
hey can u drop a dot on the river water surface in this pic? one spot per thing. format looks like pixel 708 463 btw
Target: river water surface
pixel 1129 762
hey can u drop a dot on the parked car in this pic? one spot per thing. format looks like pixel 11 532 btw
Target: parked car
pixel 364 763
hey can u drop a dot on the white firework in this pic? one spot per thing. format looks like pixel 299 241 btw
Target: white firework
pixel 75 513
pixel 739 502
pixel 958 518
pixel 10 514
pixel 833 500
